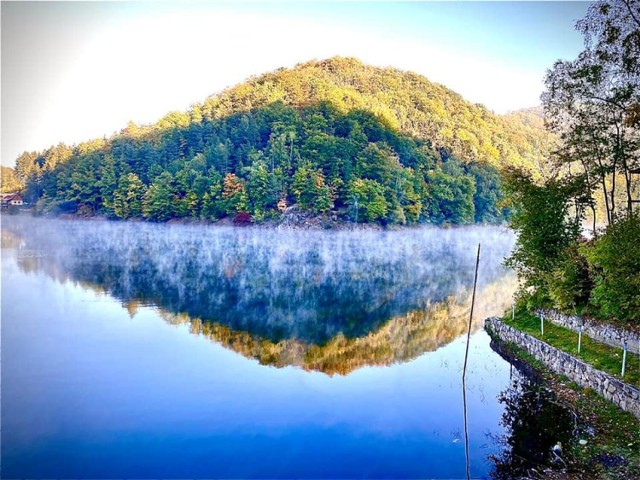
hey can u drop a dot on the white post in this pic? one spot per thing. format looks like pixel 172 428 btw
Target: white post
pixel 513 311
pixel 579 337
pixel 624 358
pixel 542 325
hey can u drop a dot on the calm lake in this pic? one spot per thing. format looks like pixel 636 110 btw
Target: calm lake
pixel 142 350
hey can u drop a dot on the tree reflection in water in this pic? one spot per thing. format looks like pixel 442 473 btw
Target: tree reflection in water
pixel 329 302
pixel 535 422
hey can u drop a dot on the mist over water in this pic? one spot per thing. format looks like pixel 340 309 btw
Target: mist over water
pixel 279 284
pixel 144 350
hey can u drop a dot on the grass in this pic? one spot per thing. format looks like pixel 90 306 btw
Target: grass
pixel 616 432
pixel 603 357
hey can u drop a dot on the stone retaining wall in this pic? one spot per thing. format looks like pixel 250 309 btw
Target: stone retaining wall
pixel 608 334
pixel 622 394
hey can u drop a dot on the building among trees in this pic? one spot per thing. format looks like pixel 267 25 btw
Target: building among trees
pixel 11 199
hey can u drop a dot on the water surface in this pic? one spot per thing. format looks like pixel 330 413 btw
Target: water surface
pixel 140 350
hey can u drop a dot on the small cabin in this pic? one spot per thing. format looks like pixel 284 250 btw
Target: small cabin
pixel 11 199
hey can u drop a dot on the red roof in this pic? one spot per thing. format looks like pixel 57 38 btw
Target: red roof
pixel 11 197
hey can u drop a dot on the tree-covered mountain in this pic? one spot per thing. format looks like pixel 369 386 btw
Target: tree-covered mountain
pixel 371 144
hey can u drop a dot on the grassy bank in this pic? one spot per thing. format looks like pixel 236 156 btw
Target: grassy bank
pixel 603 357
pixel 612 451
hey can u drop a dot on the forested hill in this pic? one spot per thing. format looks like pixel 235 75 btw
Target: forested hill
pixel 371 144
pixel 404 101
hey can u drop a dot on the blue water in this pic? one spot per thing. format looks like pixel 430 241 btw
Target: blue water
pixel 91 389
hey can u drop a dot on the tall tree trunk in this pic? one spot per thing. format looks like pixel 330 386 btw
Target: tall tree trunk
pixel 627 184
pixel 603 181
pixel 620 151
pixel 613 193
pixel 585 166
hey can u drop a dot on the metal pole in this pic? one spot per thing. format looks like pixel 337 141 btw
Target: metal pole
pixel 513 311
pixel 624 357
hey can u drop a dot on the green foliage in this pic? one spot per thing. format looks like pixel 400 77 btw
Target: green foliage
pixel 85 185
pixel 569 283
pixel 158 202
pixel 602 276
pixel 107 184
pixel 488 197
pixel 127 198
pixel 46 206
pixel 403 101
pixel 614 260
pixel 250 150
pixel 544 227
pixel 368 200
pixel 262 188
pixel 310 190
pixel 451 198
pixel 212 198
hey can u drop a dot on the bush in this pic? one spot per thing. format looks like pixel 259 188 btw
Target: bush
pixel 614 261
pixel 47 206
pixel 546 229
pixel 242 219
pixel 569 284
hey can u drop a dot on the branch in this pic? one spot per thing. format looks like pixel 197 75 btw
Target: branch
pixel 606 100
pixel 628 5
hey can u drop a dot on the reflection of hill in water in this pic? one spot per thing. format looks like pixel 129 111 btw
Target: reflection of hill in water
pixel 400 339
pixel 283 297
pixel 10 240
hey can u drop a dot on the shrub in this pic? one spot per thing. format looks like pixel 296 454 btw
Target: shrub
pixel 569 284
pixel 47 206
pixel 242 219
pixel 614 261
pixel 546 229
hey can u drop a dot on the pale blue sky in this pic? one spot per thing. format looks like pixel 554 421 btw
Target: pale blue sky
pixel 74 71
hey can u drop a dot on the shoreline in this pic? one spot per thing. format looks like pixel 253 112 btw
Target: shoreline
pixel 623 393
pixel 611 449
pixel 297 221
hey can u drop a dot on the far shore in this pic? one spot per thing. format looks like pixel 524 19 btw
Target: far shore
pixel 294 220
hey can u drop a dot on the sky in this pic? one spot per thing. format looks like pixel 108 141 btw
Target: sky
pixel 73 71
